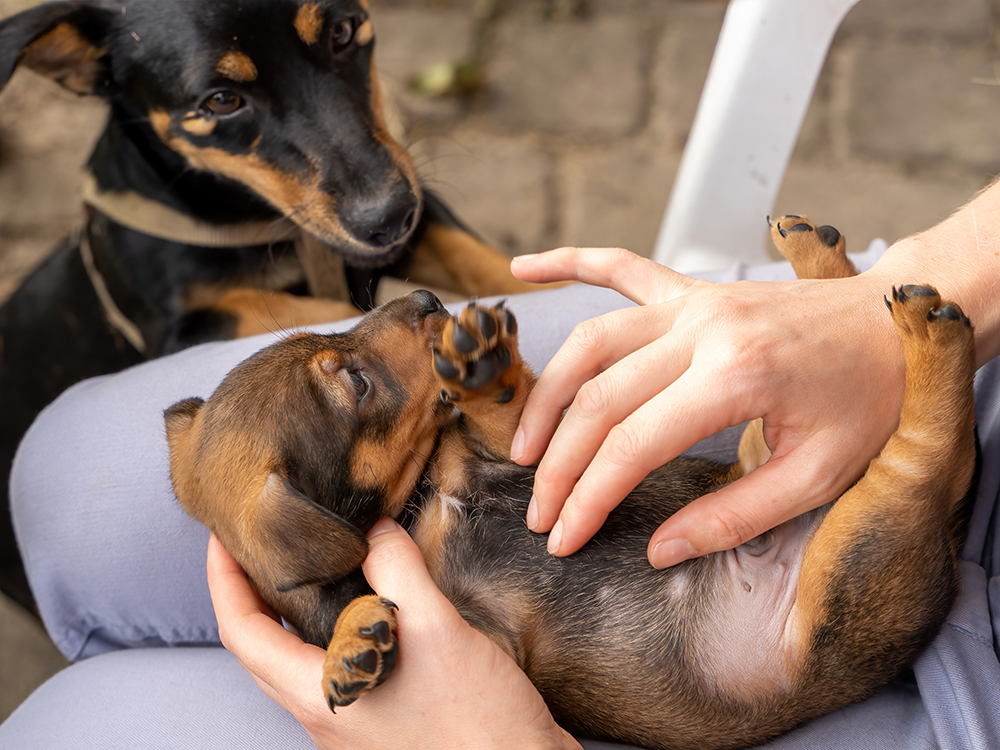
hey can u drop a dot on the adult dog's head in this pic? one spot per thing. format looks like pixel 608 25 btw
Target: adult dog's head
pixel 307 443
pixel 278 96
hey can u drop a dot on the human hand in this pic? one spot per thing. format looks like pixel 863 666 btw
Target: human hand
pixel 817 359
pixel 452 686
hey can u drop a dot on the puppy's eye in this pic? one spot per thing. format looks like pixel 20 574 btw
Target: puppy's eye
pixel 361 384
pixel 342 34
pixel 222 103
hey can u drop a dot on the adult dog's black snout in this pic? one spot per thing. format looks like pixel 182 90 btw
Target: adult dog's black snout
pixel 384 221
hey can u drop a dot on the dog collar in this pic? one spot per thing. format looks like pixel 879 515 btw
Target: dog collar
pixel 323 267
pixel 135 211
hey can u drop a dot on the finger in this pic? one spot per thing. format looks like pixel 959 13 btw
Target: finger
pixel 395 569
pixel 781 489
pixel 641 280
pixel 637 446
pixel 594 346
pixel 601 403
pixel 287 669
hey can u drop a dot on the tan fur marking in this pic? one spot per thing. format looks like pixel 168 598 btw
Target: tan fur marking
pixel 67 58
pixel 309 23
pixel 312 208
pixel 365 33
pixel 753 451
pixel 236 66
pixel 258 311
pixel 197 125
pixel 455 260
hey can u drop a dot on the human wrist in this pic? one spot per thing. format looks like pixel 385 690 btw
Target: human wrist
pixel 962 268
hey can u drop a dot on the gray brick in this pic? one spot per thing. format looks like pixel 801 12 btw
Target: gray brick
pixel 497 185
pixel 616 197
pixel 410 40
pixel 935 112
pixel 682 58
pixel 865 200
pixel 964 20
pixel 566 78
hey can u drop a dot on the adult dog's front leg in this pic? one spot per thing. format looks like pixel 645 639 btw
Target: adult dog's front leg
pixel 482 374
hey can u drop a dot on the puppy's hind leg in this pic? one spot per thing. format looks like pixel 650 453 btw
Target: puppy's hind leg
pixel 879 574
pixel 815 253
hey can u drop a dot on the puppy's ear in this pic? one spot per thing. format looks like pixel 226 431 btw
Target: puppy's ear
pixel 64 41
pixel 179 419
pixel 302 543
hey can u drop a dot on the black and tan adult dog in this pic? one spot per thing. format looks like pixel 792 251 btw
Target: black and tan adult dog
pixel 307 443
pixel 246 171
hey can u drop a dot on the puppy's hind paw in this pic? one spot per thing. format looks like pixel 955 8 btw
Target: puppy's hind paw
pixel 815 252
pixel 362 652
pixel 918 311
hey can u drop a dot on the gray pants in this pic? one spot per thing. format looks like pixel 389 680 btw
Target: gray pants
pixel 119 573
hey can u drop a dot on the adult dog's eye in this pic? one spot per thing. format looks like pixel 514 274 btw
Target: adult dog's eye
pixel 361 384
pixel 342 34
pixel 222 103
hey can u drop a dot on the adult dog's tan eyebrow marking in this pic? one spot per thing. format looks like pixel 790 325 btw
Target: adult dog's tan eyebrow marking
pixel 237 67
pixel 309 23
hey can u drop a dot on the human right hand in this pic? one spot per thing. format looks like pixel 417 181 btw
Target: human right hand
pixel 817 360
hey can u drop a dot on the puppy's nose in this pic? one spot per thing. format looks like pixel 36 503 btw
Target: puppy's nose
pixel 383 221
pixel 427 302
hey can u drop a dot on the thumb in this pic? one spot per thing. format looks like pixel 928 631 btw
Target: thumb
pixel 396 569
pixel 775 492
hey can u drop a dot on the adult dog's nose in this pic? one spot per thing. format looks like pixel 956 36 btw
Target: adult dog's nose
pixel 382 221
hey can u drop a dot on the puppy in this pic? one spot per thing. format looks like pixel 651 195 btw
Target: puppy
pixel 246 181
pixel 410 414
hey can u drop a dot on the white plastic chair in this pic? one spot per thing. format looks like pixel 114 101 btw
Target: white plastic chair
pixel 763 73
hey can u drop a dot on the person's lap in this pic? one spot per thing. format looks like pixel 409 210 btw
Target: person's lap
pixel 118 568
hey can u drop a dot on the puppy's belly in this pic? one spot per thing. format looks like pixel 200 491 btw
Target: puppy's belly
pixel 749 643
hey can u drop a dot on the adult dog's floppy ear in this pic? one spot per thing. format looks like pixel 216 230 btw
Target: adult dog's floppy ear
pixel 65 41
pixel 302 543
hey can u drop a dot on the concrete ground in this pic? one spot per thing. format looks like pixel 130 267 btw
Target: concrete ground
pixel 575 135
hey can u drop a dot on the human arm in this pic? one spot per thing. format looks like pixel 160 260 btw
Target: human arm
pixel 452 686
pixel 818 360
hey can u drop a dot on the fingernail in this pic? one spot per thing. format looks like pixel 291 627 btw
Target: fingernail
pixel 555 538
pixel 383 526
pixel 526 256
pixel 517 445
pixel 671 552
pixel 531 518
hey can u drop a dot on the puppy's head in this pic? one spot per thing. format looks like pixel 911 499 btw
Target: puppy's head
pixel 307 443
pixel 280 96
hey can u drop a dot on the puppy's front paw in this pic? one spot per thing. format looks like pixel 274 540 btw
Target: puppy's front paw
pixel 477 348
pixel 362 652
